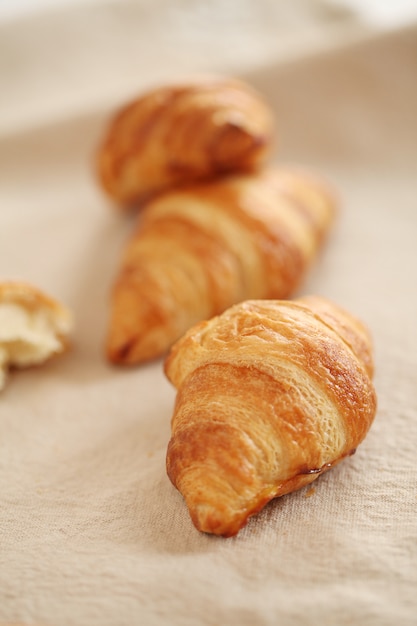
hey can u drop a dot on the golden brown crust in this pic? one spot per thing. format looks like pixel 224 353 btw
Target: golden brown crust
pixel 32 298
pixel 202 248
pixel 270 395
pixel 183 133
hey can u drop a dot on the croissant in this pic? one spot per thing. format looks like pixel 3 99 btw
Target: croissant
pixel 33 327
pixel 271 394
pixel 200 249
pixel 183 133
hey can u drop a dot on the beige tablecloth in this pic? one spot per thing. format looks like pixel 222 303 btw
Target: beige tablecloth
pixel 91 530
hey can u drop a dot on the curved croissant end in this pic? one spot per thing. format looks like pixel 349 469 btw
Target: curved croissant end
pixel 270 395
pixel 184 133
pixel 200 249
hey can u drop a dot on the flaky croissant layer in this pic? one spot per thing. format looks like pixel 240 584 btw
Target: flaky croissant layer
pixel 34 327
pixel 183 133
pixel 271 394
pixel 202 248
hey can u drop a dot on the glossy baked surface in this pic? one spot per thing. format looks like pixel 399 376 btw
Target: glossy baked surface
pixel 270 395
pixel 200 249
pixel 182 133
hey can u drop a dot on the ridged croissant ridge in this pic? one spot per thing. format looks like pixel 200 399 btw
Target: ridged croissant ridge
pixel 182 133
pixel 271 394
pixel 201 249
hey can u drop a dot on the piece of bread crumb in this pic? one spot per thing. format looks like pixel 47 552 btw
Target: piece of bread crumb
pixel 33 327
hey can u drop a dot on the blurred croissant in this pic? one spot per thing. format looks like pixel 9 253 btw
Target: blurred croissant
pixel 33 327
pixel 271 394
pixel 177 134
pixel 201 249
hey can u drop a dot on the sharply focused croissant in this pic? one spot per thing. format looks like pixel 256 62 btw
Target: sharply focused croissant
pixel 200 249
pixel 183 133
pixel 271 394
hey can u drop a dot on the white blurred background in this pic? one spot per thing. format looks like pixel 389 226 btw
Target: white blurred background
pixel 391 12
pixel 60 57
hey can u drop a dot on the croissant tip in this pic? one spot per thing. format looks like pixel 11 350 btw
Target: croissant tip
pixel 210 519
pixel 133 348
pixel 121 353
